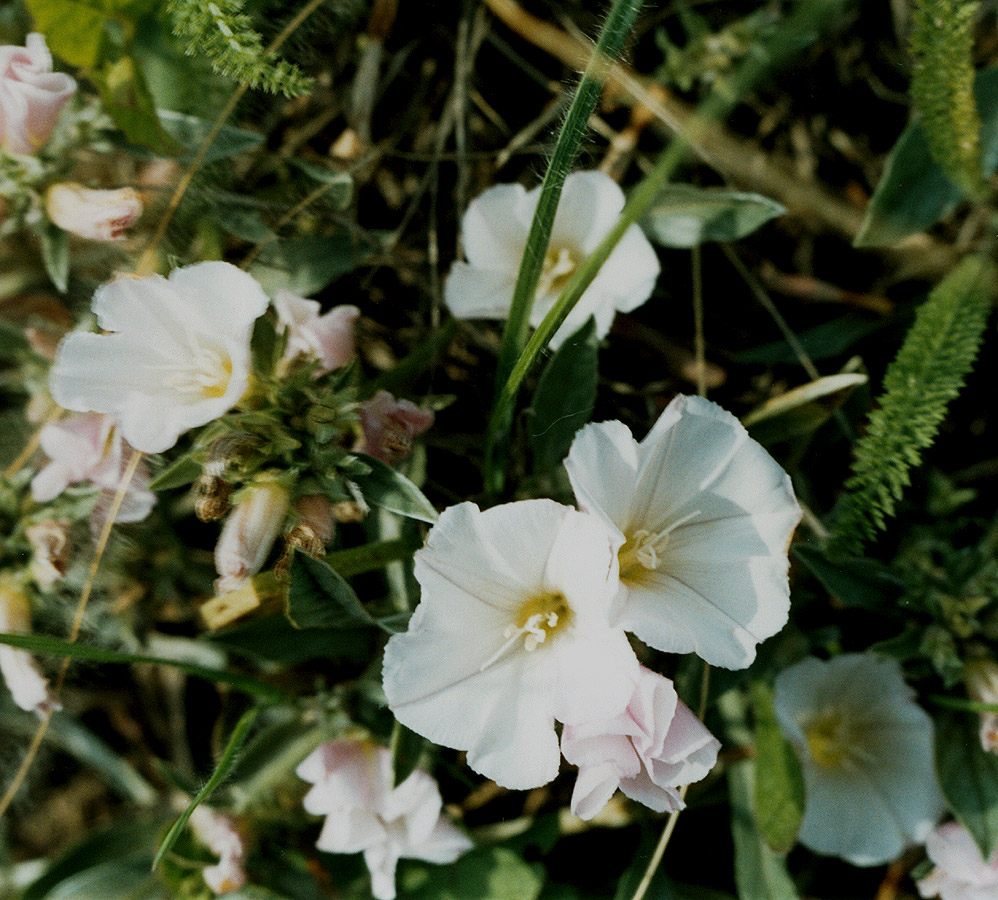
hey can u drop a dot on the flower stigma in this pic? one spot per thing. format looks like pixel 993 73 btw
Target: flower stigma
pixel 643 550
pixel 833 741
pixel 560 264
pixel 206 375
pixel 536 620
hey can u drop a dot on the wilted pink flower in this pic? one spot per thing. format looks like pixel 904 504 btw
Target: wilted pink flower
pixel 316 512
pixel 219 833
pixel 328 338
pixel 365 813
pixel 98 215
pixel 961 873
pixel 89 447
pixel 28 687
pixel 249 533
pixel 649 751
pixel 390 425
pixel 31 95
pixel 982 685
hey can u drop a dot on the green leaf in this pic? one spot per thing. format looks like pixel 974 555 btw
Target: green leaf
pixel 687 216
pixel 565 397
pixel 191 132
pixel 73 29
pixel 968 775
pixel 55 255
pixel 801 410
pixel 50 646
pixel 306 265
pixel 239 735
pixel 406 747
pixel 859 582
pixel 180 472
pixel 760 874
pixel 385 487
pixel 275 639
pixel 319 597
pixel 825 341
pixel 779 781
pixel 12 339
pixel 914 193
pixel 369 557
pixel 487 873
pixel 340 184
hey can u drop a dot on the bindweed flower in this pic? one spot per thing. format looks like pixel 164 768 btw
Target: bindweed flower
pixel 866 750
pixel 98 215
pixel 353 789
pixel 31 95
pixel 178 357
pixel 649 751
pixel 960 872
pixel 50 551
pixel 329 338
pixel 494 233
pixel 219 833
pixel 27 685
pixel 702 517
pixel 90 447
pixel 389 425
pixel 249 534
pixel 512 632
pixel 982 685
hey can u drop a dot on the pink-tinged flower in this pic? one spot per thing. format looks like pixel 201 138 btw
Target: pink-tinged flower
pixel 702 517
pixel 249 534
pixel 178 357
pixel 512 633
pixel 649 751
pixel 98 215
pixel 220 834
pixel 328 338
pixel 90 447
pixel 960 872
pixel 365 814
pixel 50 551
pixel 865 748
pixel 982 685
pixel 494 233
pixel 31 95
pixel 389 426
pixel 27 685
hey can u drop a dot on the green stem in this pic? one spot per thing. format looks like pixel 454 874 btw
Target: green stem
pixel 615 31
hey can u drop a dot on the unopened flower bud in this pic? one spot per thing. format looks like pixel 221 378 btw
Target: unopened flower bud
pixel 211 497
pixel 348 511
pixel 390 425
pixel 249 534
pixel 99 215
pixel 982 685
pixel 49 541
pixel 220 834
pixel 28 687
pixel 316 513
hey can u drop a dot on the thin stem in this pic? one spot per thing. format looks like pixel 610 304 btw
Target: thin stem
pixel 699 344
pixel 147 262
pixel 74 631
pixel 29 449
pixel 615 31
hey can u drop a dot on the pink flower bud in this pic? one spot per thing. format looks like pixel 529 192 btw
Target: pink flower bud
pixel 328 338
pixel 390 425
pixel 982 686
pixel 31 95
pixel 220 834
pixel 960 872
pixel 249 534
pixel 98 215
pixel 28 687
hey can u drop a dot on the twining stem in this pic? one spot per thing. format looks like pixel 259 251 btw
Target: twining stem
pixel 615 31
pixel 74 630
pixel 147 262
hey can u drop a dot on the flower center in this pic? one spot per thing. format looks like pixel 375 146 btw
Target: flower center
pixel 206 373
pixel 643 550
pixel 559 265
pixel 537 619
pixel 834 741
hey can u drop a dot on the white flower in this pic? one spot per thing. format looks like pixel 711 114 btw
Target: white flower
pixel 494 233
pixel 328 338
pixel 98 215
pixel 89 447
pixel 652 748
pixel 365 813
pixel 982 686
pixel 179 356
pixel 220 834
pixel 866 750
pixel 511 633
pixel 961 873
pixel 249 534
pixel 703 518
pixel 27 685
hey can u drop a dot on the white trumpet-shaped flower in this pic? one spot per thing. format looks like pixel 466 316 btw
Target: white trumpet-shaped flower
pixel 960 872
pixel 649 751
pixel 365 812
pixel 178 355
pixel 866 751
pixel 27 685
pixel 702 517
pixel 512 632
pixel 494 233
